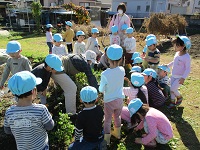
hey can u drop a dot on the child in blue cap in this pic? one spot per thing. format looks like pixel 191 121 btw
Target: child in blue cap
pixel 164 80
pixel 68 36
pixel 89 123
pixel 27 121
pixel 79 46
pixel 58 48
pixel 111 85
pixel 156 97
pixel 49 37
pixel 123 35
pixel 15 63
pixel 114 37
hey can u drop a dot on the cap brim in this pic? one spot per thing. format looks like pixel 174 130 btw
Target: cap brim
pixel 8 52
pixel 143 73
pixel 59 69
pixel 93 61
pixel 38 81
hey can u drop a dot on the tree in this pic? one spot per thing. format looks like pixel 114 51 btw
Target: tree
pixel 36 12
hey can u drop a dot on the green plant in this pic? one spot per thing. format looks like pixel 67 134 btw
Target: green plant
pixel 36 12
pixel 62 134
pixel 121 146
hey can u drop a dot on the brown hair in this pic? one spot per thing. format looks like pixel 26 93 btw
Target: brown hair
pixel 122 6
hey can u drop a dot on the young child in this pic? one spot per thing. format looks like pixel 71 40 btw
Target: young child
pixel 130 45
pixel 58 48
pixel 27 122
pixel 68 36
pixel 114 38
pixel 135 54
pixel 15 63
pixel 156 125
pixel 123 35
pixel 156 97
pixel 49 37
pixel 89 124
pixel 136 69
pixel 92 42
pixel 138 62
pixel 180 68
pixel 153 57
pixel 111 84
pixel 79 46
pixel 103 64
pixel 136 89
pixel 163 80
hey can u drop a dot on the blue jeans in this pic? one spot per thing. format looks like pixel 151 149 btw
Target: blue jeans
pixel 84 145
pixel 50 45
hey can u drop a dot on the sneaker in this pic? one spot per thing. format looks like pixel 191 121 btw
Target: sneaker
pixel 171 105
pixel 179 100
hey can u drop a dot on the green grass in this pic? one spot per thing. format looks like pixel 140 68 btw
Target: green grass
pixel 185 119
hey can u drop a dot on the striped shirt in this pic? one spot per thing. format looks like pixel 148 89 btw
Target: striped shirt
pixel 154 55
pixel 27 126
pixel 132 92
pixel 165 80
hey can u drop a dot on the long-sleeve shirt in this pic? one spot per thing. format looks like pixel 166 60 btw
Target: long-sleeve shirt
pixel 132 92
pixel 92 44
pixel 181 65
pixel 130 44
pixel 165 80
pixel 156 121
pixel 49 37
pixel 79 48
pixel 114 39
pixel 111 84
pixel 68 36
pixel 104 61
pixel 14 65
pixel 42 73
pixel 59 50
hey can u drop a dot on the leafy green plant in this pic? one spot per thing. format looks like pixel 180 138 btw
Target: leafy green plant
pixel 121 146
pixel 62 134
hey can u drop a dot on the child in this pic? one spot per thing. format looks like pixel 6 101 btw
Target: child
pixel 122 34
pixel 153 56
pixel 156 125
pixel 180 68
pixel 103 64
pixel 136 69
pixel 163 80
pixel 68 36
pixel 89 130
pixel 90 56
pixel 156 97
pixel 92 42
pixel 136 89
pixel 138 62
pixel 49 37
pixel 28 122
pixel 130 45
pixel 16 62
pixel 111 84
pixel 58 48
pixel 79 46
pixel 114 38
pixel 135 54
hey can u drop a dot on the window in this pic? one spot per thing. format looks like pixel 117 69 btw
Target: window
pixel 199 3
pixel 84 4
pixel 147 8
pixel 138 8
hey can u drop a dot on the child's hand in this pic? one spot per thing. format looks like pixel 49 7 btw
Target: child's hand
pixel 138 140
pixel 147 59
pixel 181 81
pixel 136 129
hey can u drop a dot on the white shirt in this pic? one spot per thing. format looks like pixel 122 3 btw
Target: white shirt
pixel 49 37
pixel 130 44
pixel 59 50
pixel 114 39
pixel 92 44
pixel 79 48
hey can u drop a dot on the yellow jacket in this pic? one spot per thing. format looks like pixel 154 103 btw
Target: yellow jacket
pixel 69 35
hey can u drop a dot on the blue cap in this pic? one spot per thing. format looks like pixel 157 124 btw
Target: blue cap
pixel 134 106
pixel 13 47
pixel 57 37
pixel 88 94
pixel 137 79
pixel 164 68
pixel 135 54
pixel 23 82
pixel 95 30
pixel 145 49
pixel 136 69
pixel 114 52
pixel 129 30
pixel 54 62
pixel 49 26
pixel 124 27
pixel 114 29
pixel 151 41
pixel 186 41
pixel 150 72
pixel 150 36
pixel 137 60
pixel 68 23
pixel 78 33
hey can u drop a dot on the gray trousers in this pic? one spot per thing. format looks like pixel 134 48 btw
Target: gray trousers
pixel 69 89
